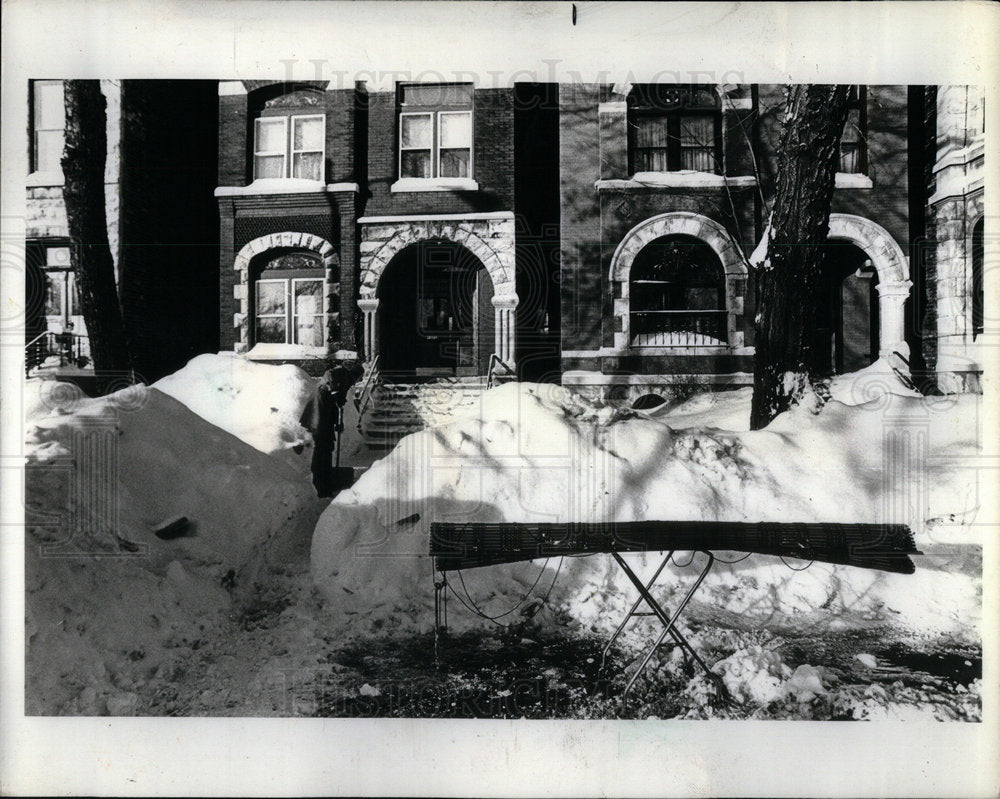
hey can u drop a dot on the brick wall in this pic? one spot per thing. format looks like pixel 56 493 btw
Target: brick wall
pixel 492 155
pixel 886 203
pixel 233 158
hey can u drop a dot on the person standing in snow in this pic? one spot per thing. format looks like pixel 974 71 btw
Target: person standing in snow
pixel 324 418
pixel 320 418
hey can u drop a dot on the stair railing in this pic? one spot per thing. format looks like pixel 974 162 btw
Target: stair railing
pixel 497 361
pixel 68 346
pixel 364 396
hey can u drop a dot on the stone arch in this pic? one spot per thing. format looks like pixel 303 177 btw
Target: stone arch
pixel 893 276
pixel 490 239
pixel 678 223
pixel 887 256
pixel 495 253
pixel 283 240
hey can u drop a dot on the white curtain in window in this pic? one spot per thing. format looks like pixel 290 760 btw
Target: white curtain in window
pixel 652 138
pixel 271 317
pixel 307 147
pixel 269 147
pixel 416 139
pixel 456 144
pixel 308 309
pixel 697 135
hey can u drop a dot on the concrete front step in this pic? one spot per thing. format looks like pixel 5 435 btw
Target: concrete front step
pixel 399 409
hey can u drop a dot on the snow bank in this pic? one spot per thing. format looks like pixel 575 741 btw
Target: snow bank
pixel 540 453
pixel 258 403
pixel 110 605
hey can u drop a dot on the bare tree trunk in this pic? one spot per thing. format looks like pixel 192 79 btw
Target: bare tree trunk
pixel 789 281
pixel 83 163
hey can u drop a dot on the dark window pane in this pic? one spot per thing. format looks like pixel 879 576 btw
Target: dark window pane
pixel 454 163
pixel 415 163
pixel 697 131
pixel 651 131
pixel 271 330
pixel 698 159
pixel 307 165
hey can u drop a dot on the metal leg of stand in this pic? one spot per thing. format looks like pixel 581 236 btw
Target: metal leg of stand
pixel 440 611
pixel 669 622
pixel 632 610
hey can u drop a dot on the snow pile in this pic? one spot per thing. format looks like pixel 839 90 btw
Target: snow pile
pixel 540 453
pixel 111 608
pixel 256 402
pixel 726 410
pixel 872 383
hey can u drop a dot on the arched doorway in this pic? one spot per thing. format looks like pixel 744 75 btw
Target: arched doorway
pixel 435 313
pixel 847 324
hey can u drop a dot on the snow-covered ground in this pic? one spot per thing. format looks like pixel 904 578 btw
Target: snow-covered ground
pixel 120 621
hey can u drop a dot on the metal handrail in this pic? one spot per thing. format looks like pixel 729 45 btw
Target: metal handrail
pixel 363 397
pixel 496 360
pixel 48 342
pixel 38 338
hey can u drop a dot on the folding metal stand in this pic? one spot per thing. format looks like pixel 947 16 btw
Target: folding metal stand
pixel 669 622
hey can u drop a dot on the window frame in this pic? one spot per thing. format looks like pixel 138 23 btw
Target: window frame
pixel 35 129
pixel 401 149
pixel 257 315
pixel 289 278
pixel 435 111
pixel 640 108
pixel 857 99
pixel 293 314
pixel 289 152
pixel 292 152
pixel 716 317
pixel 440 148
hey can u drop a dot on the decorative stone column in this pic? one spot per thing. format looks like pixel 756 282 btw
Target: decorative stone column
pixel 368 307
pixel 891 335
pixel 505 327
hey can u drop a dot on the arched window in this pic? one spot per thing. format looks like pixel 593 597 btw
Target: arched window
pixel 289 137
pixel 978 296
pixel 288 300
pixel 677 294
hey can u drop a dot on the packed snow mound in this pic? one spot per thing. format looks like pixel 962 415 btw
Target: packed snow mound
pixel 535 453
pixel 730 410
pixel 105 596
pixel 726 410
pixel 258 403
pixel 871 383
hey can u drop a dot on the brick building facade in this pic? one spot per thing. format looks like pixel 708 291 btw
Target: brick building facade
pixel 598 235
